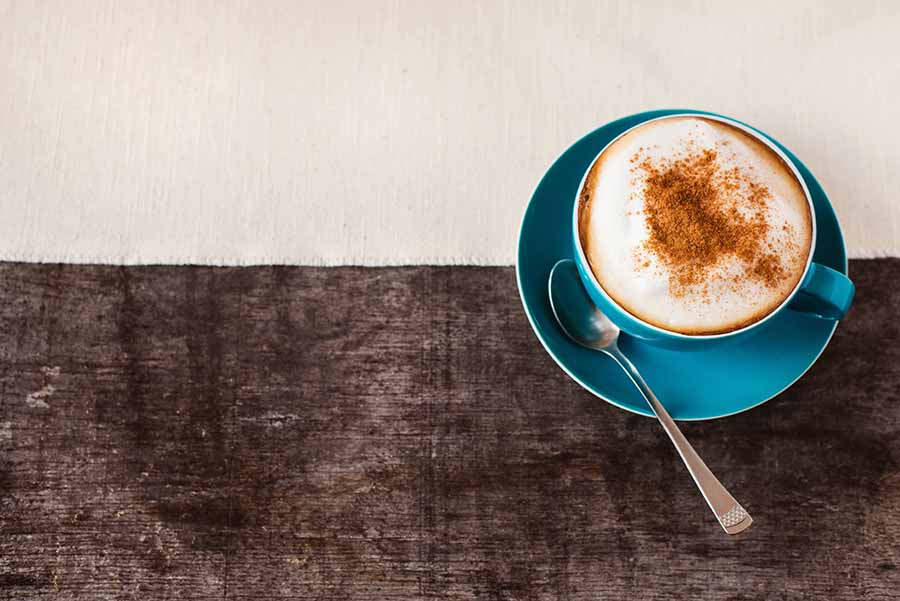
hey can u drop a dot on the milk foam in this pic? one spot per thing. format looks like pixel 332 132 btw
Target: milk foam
pixel 614 230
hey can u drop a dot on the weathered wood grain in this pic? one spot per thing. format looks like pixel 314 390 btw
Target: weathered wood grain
pixel 398 433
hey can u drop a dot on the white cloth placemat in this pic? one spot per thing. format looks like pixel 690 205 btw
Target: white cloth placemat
pixel 241 132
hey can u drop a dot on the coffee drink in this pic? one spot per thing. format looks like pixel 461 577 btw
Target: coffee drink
pixel 694 225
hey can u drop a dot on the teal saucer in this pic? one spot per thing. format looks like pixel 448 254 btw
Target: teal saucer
pixel 692 385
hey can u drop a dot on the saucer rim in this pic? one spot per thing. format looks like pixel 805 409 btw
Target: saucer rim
pixel 647 115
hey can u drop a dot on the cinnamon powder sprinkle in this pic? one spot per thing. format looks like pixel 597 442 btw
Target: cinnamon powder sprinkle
pixel 691 209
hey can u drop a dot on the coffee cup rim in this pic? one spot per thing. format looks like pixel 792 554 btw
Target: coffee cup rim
pixel 758 135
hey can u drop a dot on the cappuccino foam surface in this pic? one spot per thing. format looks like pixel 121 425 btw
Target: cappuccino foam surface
pixel 733 289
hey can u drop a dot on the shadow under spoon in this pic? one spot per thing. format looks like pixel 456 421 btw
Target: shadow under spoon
pixel 586 325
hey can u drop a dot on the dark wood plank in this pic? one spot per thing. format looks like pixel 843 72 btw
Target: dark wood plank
pixel 398 433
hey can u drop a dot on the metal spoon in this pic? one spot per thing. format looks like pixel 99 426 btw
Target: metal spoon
pixel 583 322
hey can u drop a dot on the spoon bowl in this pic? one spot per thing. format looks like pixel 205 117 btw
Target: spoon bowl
pixel 574 311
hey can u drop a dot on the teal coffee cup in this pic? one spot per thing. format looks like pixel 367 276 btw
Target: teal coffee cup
pixel 821 291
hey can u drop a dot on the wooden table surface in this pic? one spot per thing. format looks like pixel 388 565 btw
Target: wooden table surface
pixel 398 433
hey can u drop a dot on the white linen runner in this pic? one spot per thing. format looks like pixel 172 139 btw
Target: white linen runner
pixel 263 131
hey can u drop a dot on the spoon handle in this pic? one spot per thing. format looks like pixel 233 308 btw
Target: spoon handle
pixel 732 517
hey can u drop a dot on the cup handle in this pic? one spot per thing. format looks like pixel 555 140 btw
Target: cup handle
pixel 824 293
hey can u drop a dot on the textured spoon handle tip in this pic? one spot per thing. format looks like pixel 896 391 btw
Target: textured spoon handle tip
pixel 735 520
